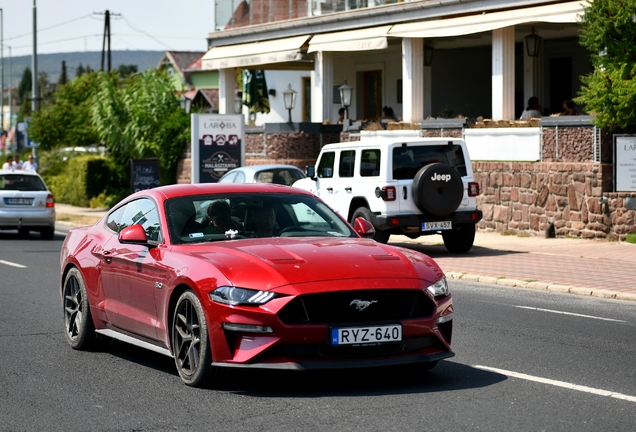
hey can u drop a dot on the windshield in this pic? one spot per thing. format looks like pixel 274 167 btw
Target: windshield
pixel 20 182
pixel 201 218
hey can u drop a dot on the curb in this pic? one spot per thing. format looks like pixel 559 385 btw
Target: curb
pixel 543 286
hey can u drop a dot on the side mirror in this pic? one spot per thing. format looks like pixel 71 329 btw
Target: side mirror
pixel 311 172
pixel 134 234
pixel 363 228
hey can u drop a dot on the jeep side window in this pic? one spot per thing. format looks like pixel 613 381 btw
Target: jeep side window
pixel 347 160
pixel 325 166
pixel 407 161
pixel 370 163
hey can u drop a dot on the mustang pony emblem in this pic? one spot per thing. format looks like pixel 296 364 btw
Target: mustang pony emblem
pixel 362 304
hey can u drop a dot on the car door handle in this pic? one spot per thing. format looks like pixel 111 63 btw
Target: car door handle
pixel 348 189
pixel 330 190
pixel 107 256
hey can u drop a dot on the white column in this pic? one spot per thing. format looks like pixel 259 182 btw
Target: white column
pixel 412 80
pixel 532 77
pixel 503 73
pixel 227 83
pixel 322 87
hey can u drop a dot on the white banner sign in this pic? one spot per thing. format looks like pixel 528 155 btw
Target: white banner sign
pixel 625 178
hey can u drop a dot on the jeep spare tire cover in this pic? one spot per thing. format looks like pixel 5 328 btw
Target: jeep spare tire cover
pixel 437 189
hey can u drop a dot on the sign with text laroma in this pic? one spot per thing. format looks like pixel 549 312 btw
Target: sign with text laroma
pixel 624 163
pixel 144 174
pixel 218 145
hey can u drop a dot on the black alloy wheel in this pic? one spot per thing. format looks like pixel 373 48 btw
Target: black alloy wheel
pixel 190 342
pixel 78 323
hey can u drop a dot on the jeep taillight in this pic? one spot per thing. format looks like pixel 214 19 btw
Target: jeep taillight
pixel 389 193
pixel 50 202
pixel 473 189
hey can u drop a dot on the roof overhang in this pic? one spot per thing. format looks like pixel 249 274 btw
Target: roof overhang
pixel 255 54
pixel 373 38
pixel 554 13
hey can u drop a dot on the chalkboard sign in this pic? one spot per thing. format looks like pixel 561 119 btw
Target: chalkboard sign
pixel 144 174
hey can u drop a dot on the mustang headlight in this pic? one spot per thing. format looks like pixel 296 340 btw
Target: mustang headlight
pixel 240 296
pixel 439 288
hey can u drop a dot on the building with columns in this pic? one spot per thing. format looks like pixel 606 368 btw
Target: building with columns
pixel 422 58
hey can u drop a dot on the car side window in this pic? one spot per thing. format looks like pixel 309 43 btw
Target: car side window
pixel 347 161
pixel 325 166
pixel 240 177
pixel 228 178
pixel 143 212
pixel 113 221
pixel 370 163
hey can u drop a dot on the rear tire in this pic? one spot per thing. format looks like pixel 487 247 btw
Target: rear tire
pixel 364 213
pixel 460 239
pixel 190 341
pixel 437 189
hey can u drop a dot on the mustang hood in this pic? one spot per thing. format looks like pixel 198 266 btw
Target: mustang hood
pixel 270 263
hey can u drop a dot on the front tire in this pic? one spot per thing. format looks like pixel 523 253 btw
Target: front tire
pixel 190 342
pixel 47 233
pixel 78 322
pixel 364 213
pixel 460 239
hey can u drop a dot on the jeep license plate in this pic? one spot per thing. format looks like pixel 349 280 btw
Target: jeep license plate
pixel 366 335
pixel 436 226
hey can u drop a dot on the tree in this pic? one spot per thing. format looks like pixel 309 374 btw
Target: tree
pixel 609 91
pixel 127 70
pixel 46 89
pixel 66 121
pixel 80 71
pixel 63 77
pixel 26 86
pixel 139 118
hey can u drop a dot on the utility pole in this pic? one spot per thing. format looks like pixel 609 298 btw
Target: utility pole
pixel 2 68
pixel 106 36
pixel 35 105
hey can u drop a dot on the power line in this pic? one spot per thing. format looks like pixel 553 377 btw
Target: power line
pixel 48 28
pixel 144 32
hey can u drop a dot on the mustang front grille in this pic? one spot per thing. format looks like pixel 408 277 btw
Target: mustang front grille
pixel 361 307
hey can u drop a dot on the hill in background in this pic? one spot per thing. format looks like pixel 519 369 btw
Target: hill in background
pixel 52 63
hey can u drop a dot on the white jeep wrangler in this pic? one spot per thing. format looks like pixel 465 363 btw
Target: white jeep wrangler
pixel 402 185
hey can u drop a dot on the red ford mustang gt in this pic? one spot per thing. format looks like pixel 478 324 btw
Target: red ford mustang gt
pixel 250 276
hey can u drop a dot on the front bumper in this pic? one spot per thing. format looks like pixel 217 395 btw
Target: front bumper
pixel 413 222
pixel 297 346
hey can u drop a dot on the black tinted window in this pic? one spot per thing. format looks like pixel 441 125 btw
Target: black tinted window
pixel 370 163
pixel 21 183
pixel 325 167
pixel 408 160
pixel 347 160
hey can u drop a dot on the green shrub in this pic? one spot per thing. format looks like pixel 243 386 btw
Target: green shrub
pixel 631 238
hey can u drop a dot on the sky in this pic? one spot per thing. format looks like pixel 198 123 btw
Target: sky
pixel 78 25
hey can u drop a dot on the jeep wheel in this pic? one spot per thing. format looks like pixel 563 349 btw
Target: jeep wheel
pixel 437 189
pixel 364 213
pixel 460 239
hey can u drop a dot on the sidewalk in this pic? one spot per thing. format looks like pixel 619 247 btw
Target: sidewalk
pixel 585 267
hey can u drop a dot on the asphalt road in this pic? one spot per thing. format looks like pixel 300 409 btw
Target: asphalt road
pixel 575 354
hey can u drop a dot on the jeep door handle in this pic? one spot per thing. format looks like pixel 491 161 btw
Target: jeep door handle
pixel 348 189
pixel 330 190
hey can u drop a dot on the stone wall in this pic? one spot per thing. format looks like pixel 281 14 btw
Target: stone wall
pixel 532 197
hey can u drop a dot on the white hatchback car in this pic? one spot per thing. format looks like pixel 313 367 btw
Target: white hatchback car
pixel 266 173
pixel 26 203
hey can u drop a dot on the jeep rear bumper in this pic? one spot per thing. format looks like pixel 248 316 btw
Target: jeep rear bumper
pixel 413 222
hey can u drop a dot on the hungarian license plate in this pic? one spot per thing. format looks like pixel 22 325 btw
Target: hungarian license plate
pixel 366 335
pixel 18 201
pixel 436 226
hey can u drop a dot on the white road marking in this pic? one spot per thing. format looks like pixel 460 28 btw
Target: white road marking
pixel 560 384
pixel 12 264
pixel 568 313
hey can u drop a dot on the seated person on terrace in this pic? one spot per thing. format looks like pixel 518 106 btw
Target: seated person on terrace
pixel 532 110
